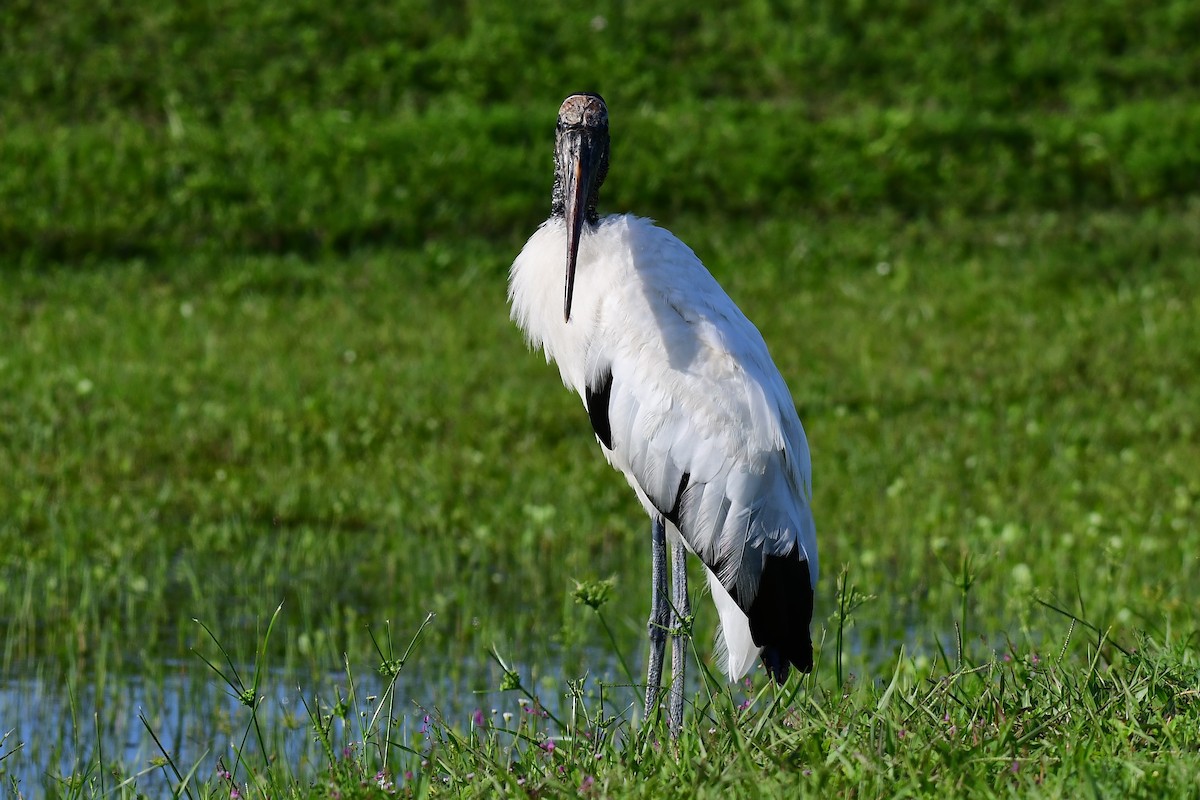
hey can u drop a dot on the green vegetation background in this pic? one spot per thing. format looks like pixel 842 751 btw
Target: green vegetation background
pixel 151 129
pixel 254 342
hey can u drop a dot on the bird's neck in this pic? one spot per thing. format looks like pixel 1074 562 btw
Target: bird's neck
pixel 558 203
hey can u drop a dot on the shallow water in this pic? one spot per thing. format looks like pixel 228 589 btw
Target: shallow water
pixel 61 728
pixel 57 729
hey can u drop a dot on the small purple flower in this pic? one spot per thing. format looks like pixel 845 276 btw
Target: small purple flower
pixel 424 726
pixel 234 794
pixel 586 786
pixel 478 718
pixel 384 782
pixel 408 775
pixel 1016 767
pixel 548 745
pixel 1007 657
pixel 744 704
pixel 902 733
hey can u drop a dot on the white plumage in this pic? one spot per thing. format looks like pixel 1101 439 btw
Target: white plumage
pixel 698 418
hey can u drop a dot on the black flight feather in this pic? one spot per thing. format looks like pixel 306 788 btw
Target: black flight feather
pixel 597 407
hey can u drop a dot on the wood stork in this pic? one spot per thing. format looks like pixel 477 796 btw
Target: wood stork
pixel 685 401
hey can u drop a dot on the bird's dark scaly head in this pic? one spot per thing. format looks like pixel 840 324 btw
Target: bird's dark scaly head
pixel 580 164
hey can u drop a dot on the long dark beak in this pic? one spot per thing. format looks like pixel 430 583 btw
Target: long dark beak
pixel 583 157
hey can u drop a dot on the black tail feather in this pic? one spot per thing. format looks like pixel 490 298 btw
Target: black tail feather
pixel 781 613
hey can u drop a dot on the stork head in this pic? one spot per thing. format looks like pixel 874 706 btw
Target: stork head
pixel 580 164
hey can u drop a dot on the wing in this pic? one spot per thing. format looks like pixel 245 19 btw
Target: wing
pixel 686 402
pixel 714 446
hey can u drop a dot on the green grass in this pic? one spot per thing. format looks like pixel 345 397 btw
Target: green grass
pixel 199 440
pixel 256 350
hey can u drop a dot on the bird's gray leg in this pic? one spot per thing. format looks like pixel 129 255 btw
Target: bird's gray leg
pixel 660 612
pixel 681 625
